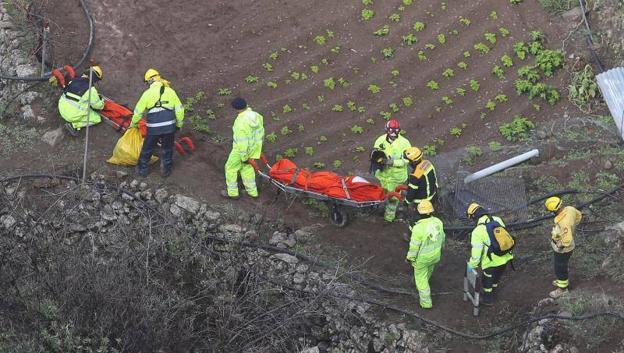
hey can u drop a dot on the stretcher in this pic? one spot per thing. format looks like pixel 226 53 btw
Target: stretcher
pixel 339 193
pixel 117 115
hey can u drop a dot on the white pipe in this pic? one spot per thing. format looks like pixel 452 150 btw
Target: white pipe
pixel 501 166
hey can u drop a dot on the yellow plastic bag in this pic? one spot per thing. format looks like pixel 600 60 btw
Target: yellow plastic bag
pixel 128 149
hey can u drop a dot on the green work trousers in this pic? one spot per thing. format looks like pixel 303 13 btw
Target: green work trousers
pixel 422 274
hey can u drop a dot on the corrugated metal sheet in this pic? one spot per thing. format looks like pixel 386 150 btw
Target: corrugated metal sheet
pixel 611 85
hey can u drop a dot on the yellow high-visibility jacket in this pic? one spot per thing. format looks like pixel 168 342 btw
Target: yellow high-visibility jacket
pixel 248 135
pixel 163 107
pixel 562 234
pixel 480 242
pixel 426 241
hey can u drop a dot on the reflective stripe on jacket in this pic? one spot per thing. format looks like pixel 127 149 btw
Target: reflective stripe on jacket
pixel 422 183
pixel 562 234
pixel 74 106
pixel 480 242
pixel 248 134
pixel 426 241
pixel 163 108
pixel 397 173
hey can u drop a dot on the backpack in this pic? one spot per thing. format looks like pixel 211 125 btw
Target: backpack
pixel 501 242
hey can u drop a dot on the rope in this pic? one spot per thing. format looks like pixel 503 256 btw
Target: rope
pixel 85 53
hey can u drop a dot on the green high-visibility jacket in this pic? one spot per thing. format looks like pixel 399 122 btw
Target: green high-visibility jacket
pixel 248 135
pixel 426 241
pixel 153 103
pixel 74 108
pixel 397 172
pixel 480 242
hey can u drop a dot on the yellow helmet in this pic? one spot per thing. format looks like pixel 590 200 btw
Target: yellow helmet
pixel 472 208
pixel 425 207
pixel 97 71
pixel 552 203
pixel 413 154
pixel 150 74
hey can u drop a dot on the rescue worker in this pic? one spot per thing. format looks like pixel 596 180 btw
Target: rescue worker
pixel 247 136
pixel 492 265
pixel 74 104
pixel 164 115
pixel 395 172
pixel 422 184
pixel 425 249
pixel 562 241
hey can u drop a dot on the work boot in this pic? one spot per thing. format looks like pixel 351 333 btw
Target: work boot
pixel 225 194
pixel 70 129
pixel 558 293
pixel 487 299
pixel 165 172
pixel 142 172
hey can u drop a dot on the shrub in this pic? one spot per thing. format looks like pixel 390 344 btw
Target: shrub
pixel 518 129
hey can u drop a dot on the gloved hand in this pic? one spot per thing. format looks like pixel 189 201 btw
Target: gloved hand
pixel 469 267
pixel 389 161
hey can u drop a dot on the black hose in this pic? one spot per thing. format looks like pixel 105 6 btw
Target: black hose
pixel 86 52
pixel 590 39
pixel 455 332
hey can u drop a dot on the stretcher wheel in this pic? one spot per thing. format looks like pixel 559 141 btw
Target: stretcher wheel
pixel 338 216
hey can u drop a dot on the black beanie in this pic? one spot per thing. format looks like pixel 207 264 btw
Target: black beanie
pixel 239 103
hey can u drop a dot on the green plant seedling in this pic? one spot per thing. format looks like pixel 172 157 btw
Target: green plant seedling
pixel 356 129
pixel 537 107
pixel 285 130
pixel 370 121
pixel 272 137
pixel 351 105
pixel 361 109
pixel 367 2
pixel 474 85
pixel 433 85
pixel 409 39
pixel 295 75
pixel 360 149
pixel 482 115
pixel 268 67
pixel 271 84
pixel 549 61
pixel 274 55
pixel 466 54
pixel 329 83
pixel 498 72
pixel 422 56
pixel 337 108
pixel 462 65
pixel 464 21
pixel 430 46
pixel 437 108
pixel 320 40
pixel 224 92
pixel 501 98
pixel 291 152
pixel 287 109
pixel 320 98
pixel 374 89
pixel 337 163
pixel 322 138
pixel 482 48
pixel 454 32
pixel 515 2
pixel 319 165
pixel 447 100
pixel 495 146
pixel 490 37
pixel 274 116
pixel 315 69
pixel 344 83
pixel 504 32
pixel 493 16
pixel 393 107
pixel 529 73
pixel 387 53
pixel 521 50
pixel 300 127
pixel 418 26
pixel 407 2
pixel 309 151
pixel 430 150
pixel 251 79
pixel 385 115
pixel 583 88
pixel 395 73
pixel 460 91
pixel 448 73
pixel 382 31
pixel 490 105
pixel 507 61
pixel 367 14
pixel 210 114
pixel 537 36
pixel 324 61
pixel 395 17
pixel 518 129
pixel 441 38
pixel 472 153
pixel 456 131
pixel 407 101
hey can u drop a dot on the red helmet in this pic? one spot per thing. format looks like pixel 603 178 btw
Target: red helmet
pixel 393 128
pixel 393 124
